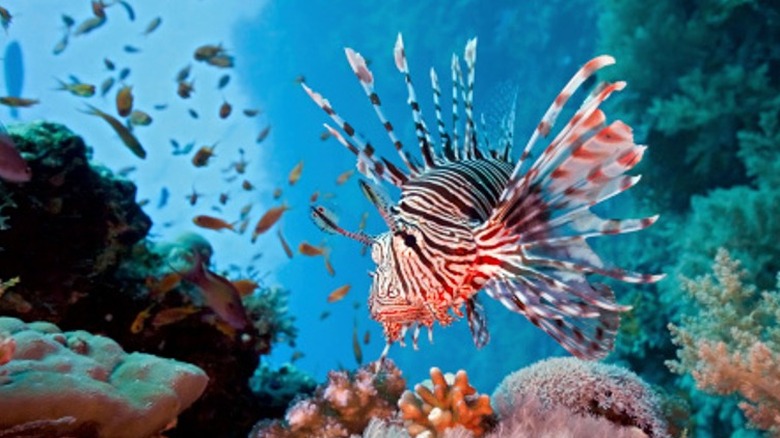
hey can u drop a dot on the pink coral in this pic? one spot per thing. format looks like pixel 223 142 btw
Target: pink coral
pixel 584 388
pixel 343 406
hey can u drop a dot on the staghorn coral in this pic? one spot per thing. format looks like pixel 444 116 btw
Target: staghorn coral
pixel 341 407
pixel 447 402
pixel 732 344
pixel 105 391
pixel 584 388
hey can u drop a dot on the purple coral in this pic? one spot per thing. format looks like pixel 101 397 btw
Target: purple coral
pixel 583 388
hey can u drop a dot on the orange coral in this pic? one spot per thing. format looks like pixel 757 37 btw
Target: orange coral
pixel 451 402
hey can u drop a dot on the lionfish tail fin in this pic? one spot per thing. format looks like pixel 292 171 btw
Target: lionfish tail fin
pixel 584 329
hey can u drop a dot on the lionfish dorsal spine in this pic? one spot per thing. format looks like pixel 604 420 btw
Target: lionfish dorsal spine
pixel 470 136
pixel 423 137
pixel 444 137
pixel 366 79
pixel 457 86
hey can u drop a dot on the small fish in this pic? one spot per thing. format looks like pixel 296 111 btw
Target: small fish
pixel 356 345
pixel 224 110
pixel 310 250
pixel 366 337
pixel 124 101
pixel 128 9
pixel 89 25
pixel 223 81
pixel 277 193
pixel 240 165
pixel 5 18
pixel 324 315
pixel 13 168
pixel 68 21
pixel 300 79
pixel 185 89
pixel 211 223
pixel 314 196
pixel 78 89
pixel 18 102
pixel 110 66
pixel 296 355
pixel 127 137
pixel 144 202
pixel 243 226
pixel 220 294
pixel 193 197
pixel 160 106
pixel 184 73
pixel 263 134
pixel 251 112
pixel 295 173
pixel 324 135
pixel 125 171
pixel 245 211
pixel 283 241
pixel 329 265
pixel 246 185
pixel 123 74
pixel 202 156
pixel 106 86
pixel 344 177
pixel 208 51
pixel 159 287
pixel 339 293
pixel 164 195
pixel 223 198
pixel 173 315
pixel 138 323
pixel 245 286
pixel 268 220
pixel 61 45
pixel 131 49
pixel 140 118
pixel 221 61
pixel 99 9
pixel 153 25
pixel 193 113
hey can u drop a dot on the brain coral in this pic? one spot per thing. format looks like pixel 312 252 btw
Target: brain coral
pixel 87 386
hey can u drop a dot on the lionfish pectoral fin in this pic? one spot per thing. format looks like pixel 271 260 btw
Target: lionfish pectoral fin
pixel 585 330
pixel 477 319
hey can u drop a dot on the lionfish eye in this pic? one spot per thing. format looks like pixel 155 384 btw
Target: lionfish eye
pixel 410 240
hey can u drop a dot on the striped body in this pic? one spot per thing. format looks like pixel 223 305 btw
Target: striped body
pixel 471 219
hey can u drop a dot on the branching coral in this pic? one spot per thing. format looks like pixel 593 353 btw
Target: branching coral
pixel 341 407
pixel 450 401
pixel 732 345
pixel 584 388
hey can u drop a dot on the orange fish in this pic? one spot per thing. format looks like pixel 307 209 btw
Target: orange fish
pixel 185 89
pixel 339 293
pixel 245 286
pixel 202 156
pixel 344 177
pixel 124 101
pixel 314 196
pixel 161 286
pixel 211 223
pixel 329 266
pixel 224 110
pixel 285 246
pixel 127 137
pixel 268 220
pixel 308 249
pixel 173 315
pixel 295 173
pixel 138 322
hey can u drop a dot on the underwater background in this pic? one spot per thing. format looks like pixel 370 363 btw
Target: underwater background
pixel 90 241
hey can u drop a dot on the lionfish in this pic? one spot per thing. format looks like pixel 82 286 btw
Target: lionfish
pixel 471 219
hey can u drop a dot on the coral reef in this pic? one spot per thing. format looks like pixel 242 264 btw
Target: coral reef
pixel 732 343
pixel 75 254
pixel 446 402
pixel 106 392
pixel 584 388
pixel 343 406
pixel 276 388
